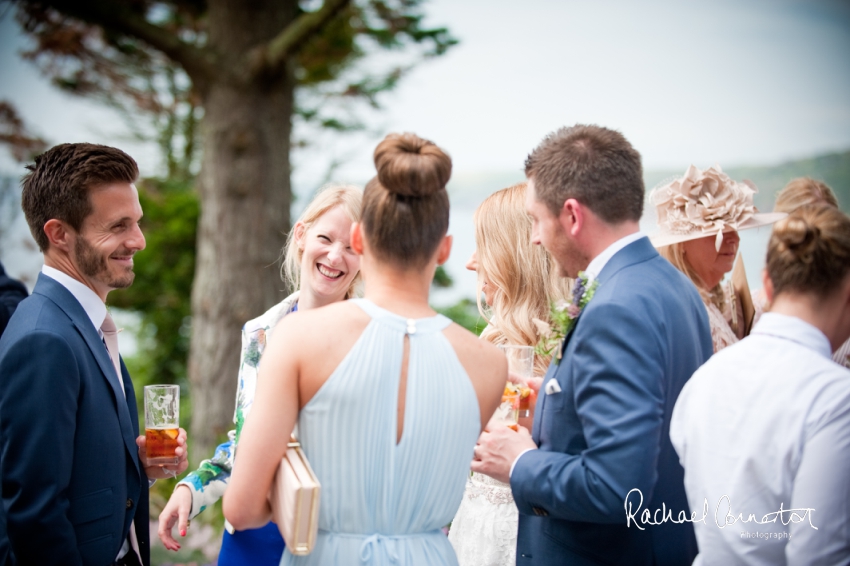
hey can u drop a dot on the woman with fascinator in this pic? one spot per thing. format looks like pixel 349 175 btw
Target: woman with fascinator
pixel 518 281
pixel 699 217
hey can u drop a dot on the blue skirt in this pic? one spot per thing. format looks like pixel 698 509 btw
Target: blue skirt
pixel 254 547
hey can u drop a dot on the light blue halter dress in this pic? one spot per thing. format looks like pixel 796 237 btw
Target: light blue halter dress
pixel 382 502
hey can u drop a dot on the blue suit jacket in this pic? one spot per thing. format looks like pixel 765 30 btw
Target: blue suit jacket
pixel 71 478
pixel 634 346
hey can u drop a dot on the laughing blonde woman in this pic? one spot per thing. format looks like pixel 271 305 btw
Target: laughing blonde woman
pixel 317 261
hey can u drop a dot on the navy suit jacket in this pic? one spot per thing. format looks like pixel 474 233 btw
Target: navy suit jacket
pixel 606 432
pixel 71 478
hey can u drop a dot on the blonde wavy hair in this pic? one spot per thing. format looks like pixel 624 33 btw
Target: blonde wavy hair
pixel 524 276
pixel 675 254
pixel 350 198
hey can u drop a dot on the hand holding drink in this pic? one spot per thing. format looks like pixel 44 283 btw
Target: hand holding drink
pixel 506 413
pixel 162 424
pixel 520 368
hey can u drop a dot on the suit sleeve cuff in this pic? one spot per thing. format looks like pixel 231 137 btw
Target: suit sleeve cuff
pixel 511 473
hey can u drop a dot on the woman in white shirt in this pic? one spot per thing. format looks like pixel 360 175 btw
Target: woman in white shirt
pixel 799 192
pixel 763 428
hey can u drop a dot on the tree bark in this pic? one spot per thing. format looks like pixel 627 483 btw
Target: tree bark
pixel 244 186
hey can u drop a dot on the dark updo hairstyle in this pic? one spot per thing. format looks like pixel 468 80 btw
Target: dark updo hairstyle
pixel 809 251
pixel 406 207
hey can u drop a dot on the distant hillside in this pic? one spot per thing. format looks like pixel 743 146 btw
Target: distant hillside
pixel 833 169
pixel 468 189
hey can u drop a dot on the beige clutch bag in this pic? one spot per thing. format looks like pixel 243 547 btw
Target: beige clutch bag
pixel 295 501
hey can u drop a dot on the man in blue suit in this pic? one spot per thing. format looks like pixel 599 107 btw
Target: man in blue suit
pixel 600 440
pixel 74 485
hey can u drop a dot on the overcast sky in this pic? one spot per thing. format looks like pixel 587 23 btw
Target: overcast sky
pixel 733 82
pixel 744 82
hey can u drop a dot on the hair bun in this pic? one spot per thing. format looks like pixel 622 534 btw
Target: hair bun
pixel 799 237
pixel 411 166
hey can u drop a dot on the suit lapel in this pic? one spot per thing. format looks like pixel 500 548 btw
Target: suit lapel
pixel 63 298
pixel 636 252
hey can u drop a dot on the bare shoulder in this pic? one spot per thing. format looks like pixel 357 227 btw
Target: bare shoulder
pixel 484 363
pixel 316 341
pixel 315 324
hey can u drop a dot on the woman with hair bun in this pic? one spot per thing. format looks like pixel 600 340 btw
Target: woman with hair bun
pixel 799 192
pixel 764 426
pixel 389 396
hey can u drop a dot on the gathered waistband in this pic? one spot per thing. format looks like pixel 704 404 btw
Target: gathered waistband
pixel 376 541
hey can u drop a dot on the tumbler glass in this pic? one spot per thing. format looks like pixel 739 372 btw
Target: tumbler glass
pixel 521 364
pixel 162 424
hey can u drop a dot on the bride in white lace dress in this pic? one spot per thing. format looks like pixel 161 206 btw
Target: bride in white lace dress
pixel 518 281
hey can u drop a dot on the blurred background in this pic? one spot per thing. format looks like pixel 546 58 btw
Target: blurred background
pixel 759 87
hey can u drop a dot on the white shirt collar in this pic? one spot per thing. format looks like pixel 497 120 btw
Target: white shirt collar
pixel 91 303
pixel 793 329
pixel 595 267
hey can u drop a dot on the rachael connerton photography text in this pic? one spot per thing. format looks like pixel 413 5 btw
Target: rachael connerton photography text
pixel 723 515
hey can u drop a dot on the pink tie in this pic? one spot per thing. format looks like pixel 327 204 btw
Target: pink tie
pixel 110 336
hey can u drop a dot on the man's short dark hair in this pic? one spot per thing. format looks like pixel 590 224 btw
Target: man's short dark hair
pixel 59 182
pixel 594 165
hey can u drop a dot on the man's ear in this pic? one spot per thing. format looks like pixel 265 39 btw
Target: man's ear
pixel 444 250
pixel 572 216
pixel 58 234
pixel 357 238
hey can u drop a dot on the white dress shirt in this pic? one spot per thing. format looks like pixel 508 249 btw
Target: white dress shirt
pixel 96 311
pixel 766 423
pixel 88 299
pixel 594 268
pixel 597 264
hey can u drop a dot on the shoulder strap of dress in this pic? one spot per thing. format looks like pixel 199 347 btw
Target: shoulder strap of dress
pixel 408 325
pixel 368 307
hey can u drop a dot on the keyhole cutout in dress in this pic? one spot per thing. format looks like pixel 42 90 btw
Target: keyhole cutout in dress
pixel 402 389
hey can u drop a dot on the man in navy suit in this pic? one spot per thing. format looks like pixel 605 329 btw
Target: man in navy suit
pixel 74 485
pixel 600 440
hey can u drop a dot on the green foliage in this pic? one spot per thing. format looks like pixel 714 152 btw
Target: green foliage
pixel 330 77
pixel 161 292
pixel 465 313
pixel 442 278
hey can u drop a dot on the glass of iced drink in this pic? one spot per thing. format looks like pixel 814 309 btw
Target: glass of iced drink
pixel 521 364
pixel 162 424
pixel 506 412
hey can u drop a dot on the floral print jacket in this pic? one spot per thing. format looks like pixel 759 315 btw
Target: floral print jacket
pixel 209 481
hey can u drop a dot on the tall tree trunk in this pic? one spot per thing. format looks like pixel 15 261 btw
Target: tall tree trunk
pixel 244 184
